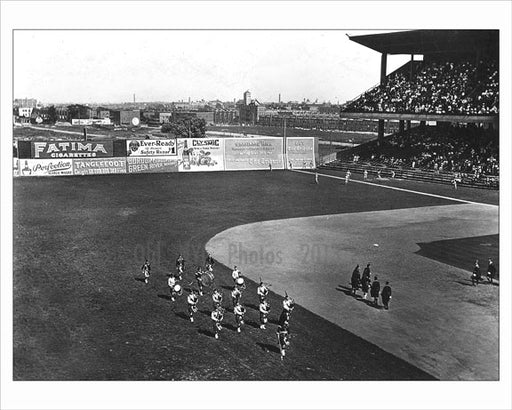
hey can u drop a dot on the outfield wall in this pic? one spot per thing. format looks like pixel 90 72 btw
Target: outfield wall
pixel 66 158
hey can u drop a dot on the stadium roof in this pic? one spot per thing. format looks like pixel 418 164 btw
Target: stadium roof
pixel 431 41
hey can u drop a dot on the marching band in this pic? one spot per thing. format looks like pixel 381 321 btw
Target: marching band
pixel 205 277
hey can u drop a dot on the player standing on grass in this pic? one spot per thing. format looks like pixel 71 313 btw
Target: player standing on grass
pixel 476 275
pixel 386 295
pixel 365 174
pixel 347 176
pixel 316 178
pixel 355 280
pixel 375 290
pixel 264 311
pixel 239 312
pixel 366 280
pixel 192 300
pixel 491 271
pixel 146 270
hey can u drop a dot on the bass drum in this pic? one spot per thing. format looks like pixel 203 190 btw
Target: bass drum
pixel 208 278
pixel 240 282
pixel 177 289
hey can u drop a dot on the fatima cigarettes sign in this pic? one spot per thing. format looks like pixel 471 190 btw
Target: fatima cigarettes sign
pixel 144 148
pixel 72 149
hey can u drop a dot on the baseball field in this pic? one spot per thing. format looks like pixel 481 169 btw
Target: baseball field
pixel 83 312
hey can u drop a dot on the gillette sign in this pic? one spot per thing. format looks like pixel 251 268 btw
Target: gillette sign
pixel 72 149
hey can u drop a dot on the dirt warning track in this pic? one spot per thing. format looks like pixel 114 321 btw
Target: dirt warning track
pixel 436 321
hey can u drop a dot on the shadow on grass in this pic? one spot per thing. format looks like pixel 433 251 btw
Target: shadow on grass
pixel 268 347
pixel 166 297
pixel 465 283
pixel 347 291
pixel 226 287
pixel 252 324
pixel 140 280
pixel 254 307
pixel 229 326
pixel 371 304
pixel 182 315
pixel 206 333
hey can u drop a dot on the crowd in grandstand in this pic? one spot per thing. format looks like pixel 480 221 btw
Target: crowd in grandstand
pixel 468 152
pixel 438 87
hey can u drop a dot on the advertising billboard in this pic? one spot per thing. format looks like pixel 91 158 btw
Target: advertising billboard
pixel 300 153
pixel 46 167
pixel 142 165
pixel 253 153
pixel 151 148
pixel 99 166
pixel 15 167
pixel 201 154
pixel 72 149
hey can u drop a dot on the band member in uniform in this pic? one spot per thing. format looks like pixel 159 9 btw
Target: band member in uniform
pixel 375 290
pixel 239 312
pixel 491 271
pixel 180 261
pixel 316 178
pixel 262 291
pixel 283 338
pixel 476 276
pixel 347 176
pixel 146 270
pixel 366 280
pixel 209 260
pixel 192 300
pixel 365 174
pixel 264 311
pixel 199 280
pixel 217 316
pixel 217 299
pixel 179 272
pixel 172 283
pixel 355 280
pixel 235 274
pixel 386 295
pixel 236 294
pixel 284 318
pixel 288 303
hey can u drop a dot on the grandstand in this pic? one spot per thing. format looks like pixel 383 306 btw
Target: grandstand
pixel 455 88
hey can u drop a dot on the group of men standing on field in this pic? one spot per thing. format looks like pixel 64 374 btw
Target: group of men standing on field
pixel 217 313
pixel 476 275
pixel 365 283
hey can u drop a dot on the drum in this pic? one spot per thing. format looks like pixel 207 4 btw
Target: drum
pixel 240 282
pixel 177 289
pixel 208 278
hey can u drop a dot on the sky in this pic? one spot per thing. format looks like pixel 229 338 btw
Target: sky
pixel 110 66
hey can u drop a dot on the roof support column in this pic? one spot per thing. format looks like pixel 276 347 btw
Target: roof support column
pixel 383 67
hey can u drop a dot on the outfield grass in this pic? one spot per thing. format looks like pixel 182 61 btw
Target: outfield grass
pixel 80 312
pixel 337 136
